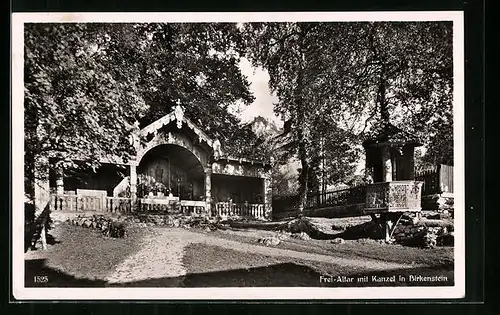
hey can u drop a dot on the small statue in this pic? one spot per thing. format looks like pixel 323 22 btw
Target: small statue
pixel 217 149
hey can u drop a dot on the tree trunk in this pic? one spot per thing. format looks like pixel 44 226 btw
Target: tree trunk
pixel 303 132
pixel 384 111
pixel 303 177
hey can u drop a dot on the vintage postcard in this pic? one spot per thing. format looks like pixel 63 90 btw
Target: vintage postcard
pixel 238 156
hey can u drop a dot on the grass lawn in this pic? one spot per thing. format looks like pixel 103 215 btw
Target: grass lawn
pixel 363 248
pixel 223 267
pixel 80 256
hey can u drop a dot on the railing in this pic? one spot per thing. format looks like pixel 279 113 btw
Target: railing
pixel 76 203
pixel 372 198
pixel 335 198
pixel 167 205
pixel 89 203
pixel 159 205
pixel 245 210
pixel 118 204
pixel 193 207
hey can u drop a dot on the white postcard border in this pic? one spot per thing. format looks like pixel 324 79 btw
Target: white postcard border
pixel 258 293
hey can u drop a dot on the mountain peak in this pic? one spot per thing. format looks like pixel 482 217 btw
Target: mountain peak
pixel 262 126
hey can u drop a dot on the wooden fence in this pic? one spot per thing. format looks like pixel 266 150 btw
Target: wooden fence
pixel 389 196
pixel 245 210
pixel 436 180
pixel 335 198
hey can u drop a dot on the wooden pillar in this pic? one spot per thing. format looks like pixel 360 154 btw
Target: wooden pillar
pixel 386 163
pixel 409 157
pixel 208 190
pixel 133 187
pixel 60 181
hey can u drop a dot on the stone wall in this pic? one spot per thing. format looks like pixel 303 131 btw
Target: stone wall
pixel 421 234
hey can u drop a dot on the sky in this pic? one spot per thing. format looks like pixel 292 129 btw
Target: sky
pixel 264 99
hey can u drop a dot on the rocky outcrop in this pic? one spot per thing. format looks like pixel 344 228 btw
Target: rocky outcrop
pixel 117 226
pixel 175 221
pixel 269 241
pixel 425 234
pixel 111 227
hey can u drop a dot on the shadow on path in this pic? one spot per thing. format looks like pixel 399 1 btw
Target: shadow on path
pixel 291 275
pixel 278 275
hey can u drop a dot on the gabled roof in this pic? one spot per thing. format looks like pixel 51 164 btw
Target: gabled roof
pixel 392 135
pixel 176 115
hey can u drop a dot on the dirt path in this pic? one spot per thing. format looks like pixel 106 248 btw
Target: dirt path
pixel 161 256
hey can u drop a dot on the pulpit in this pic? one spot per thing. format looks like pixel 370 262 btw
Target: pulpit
pixel 391 165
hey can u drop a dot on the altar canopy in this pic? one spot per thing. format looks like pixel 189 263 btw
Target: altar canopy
pixel 177 163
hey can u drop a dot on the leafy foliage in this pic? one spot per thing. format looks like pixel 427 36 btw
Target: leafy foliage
pixel 87 86
pixel 81 92
pixel 198 65
pixel 337 81
pixel 294 58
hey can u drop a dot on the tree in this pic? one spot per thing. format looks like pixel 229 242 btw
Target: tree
pixel 88 85
pixel 81 93
pixel 197 64
pixel 338 82
pixel 396 73
pixel 293 54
